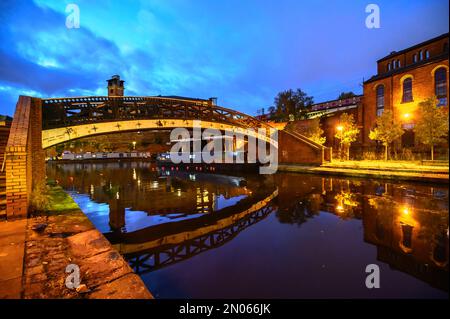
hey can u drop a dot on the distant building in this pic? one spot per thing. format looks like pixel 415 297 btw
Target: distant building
pixel 115 86
pixel 404 79
pixel 329 113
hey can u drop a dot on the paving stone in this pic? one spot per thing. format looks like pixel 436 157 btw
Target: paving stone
pixel 11 261
pixel 11 289
pixel 88 244
pixel 127 287
pixel 103 268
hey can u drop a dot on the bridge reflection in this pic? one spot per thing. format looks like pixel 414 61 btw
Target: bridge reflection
pixel 170 249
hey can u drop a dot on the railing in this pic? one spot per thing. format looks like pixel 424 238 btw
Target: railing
pixel 165 255
pixel 64 112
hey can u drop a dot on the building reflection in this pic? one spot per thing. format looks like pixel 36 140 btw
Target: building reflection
pixel 408 224
pixel 139 186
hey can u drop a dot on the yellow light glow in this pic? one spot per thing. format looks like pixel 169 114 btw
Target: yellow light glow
pixel 405 210
pixel 339 128
pixel 339 208
pixel 406 115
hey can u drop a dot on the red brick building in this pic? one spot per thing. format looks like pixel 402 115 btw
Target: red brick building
pixel 404 79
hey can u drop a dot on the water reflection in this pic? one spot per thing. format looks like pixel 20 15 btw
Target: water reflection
pixel 161 219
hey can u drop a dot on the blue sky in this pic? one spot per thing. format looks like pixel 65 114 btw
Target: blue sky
pixel 242 51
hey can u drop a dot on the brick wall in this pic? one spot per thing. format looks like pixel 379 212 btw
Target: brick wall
pixel 294 151
pixel 423 86
pixel 24 156
pixel 406 57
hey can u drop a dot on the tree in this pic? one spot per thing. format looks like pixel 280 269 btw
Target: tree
pixel 347 132
pixel 432 124
pixel 346 95
pixel 293 102
pixel 386 131
pixel 314 132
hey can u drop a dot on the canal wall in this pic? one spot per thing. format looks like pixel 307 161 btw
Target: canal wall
pixel 412 175
pixel 64 236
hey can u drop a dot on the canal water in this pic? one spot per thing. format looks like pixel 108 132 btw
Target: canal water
pixel 190 234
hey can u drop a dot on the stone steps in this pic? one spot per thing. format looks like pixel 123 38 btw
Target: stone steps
pixel 4 134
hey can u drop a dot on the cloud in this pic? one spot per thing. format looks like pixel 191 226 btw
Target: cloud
pixel 241 52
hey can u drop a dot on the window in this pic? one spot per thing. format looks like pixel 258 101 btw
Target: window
pixel 398 64
pixel 415 58
pixel 407 91
pixel 389 66
pixel 380 99
pixel 440 84
pixel 427 54
pixel 420 55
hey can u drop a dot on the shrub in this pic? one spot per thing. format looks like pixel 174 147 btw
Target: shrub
pixel 39 200
pixel 370 156
pixel 407 155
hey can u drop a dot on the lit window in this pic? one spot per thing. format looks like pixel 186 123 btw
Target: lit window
pixel 440 83
pixel 407 90
pixel 380 99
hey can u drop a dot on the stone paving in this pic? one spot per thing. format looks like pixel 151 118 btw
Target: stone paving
pixel 52 241
pixel 12 239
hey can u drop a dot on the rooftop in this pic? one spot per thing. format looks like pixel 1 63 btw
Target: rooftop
pixel 395 53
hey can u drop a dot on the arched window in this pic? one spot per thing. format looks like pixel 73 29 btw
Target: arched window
pixel 407 90
pixel 415 58
pixel 420 55
pixel 440 84
pixel 380 99
pixel 389 66
pixel 398 64
pixel 427 54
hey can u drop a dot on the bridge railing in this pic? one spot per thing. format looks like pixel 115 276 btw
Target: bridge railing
pixel 63 112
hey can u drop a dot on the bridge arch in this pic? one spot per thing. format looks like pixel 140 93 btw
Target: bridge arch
pixel 41 123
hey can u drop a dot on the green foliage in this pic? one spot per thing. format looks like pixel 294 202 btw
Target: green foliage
pixel 432 123
pixel 386 131
pixel 346 95
pixel 39 200
pixel 347 132
pixel 314 131
pixel 60 148
pixel 296 103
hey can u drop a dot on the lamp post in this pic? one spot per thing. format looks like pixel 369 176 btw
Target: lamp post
pixel 340 128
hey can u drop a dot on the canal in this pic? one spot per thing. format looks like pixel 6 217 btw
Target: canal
pixel 191 234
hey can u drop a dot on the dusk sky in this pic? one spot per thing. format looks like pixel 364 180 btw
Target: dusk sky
pixel 242 51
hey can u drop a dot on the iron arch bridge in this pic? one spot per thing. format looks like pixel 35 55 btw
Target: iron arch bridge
pixel 42 123
pixel 64 119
